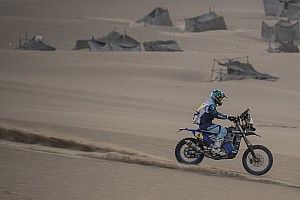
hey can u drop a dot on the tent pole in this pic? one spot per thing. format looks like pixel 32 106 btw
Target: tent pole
pixel 20 38
pixel 212 71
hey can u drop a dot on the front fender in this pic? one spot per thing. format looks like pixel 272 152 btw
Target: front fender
pixel 251 133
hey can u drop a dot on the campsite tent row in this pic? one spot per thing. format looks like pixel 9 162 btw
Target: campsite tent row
pixel 283 8
pixel 118 42
pixel 208 21
pixel 115 41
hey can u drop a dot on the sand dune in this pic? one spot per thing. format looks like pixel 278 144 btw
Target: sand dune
pixel 83 125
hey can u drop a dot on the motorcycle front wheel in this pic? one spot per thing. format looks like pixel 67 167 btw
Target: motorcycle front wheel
pixel 187 155
pixel 259 165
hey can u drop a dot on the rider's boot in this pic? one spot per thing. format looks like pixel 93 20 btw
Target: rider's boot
pixel 217 148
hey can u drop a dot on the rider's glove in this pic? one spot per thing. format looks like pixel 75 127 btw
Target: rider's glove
pixel 231 118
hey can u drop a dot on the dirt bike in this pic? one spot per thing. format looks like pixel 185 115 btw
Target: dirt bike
pixel 257 159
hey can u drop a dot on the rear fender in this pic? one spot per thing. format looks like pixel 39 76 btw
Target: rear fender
pixel 196 132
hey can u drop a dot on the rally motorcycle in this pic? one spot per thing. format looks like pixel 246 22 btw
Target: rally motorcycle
pixel 257 159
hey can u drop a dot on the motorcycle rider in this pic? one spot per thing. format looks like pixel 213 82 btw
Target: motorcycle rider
pixel 205 114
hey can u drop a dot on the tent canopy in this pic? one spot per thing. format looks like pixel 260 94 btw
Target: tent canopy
pixel 115 38
pixel 159 16
pixel 283 8
pixel 81 44
pixel 288 47
pixel 237 70
pixel 168 45
pixel 293 12
pixel 208 21
pixel 113 41
pixel 283 31
pixel 36 43
pixel 275 8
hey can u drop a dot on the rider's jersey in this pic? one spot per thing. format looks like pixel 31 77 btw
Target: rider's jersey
pixel 206 113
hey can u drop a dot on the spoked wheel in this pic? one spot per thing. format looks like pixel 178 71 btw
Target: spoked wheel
pixel 259 165
pixel 187 155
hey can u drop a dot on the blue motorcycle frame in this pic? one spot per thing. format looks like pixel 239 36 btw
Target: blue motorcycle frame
pixel 257 159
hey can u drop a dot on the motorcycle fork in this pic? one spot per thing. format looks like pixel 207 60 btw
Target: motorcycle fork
pixel 248 143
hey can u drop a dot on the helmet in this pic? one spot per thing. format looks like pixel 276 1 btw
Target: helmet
pixel 217 96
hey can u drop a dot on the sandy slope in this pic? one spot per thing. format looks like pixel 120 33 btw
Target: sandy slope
pixel 137 101
pixel 67 177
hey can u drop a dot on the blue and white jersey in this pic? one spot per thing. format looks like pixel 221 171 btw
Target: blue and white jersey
pixel 206 113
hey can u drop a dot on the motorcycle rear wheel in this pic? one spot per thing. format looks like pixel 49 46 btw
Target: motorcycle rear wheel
pixel 187 155
pixel 258 166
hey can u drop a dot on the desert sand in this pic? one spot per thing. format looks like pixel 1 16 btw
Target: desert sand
pixel 131 104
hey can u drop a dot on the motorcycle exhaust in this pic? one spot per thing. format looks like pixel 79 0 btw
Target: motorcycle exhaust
pixel 193 145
